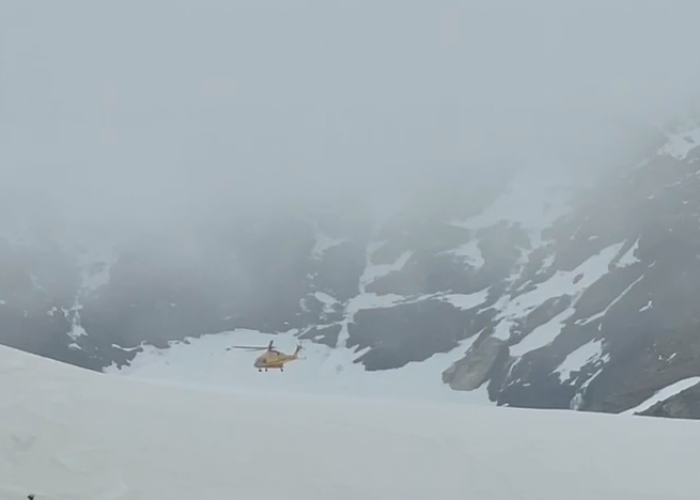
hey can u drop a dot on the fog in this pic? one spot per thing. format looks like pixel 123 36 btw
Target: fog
pixel 126 111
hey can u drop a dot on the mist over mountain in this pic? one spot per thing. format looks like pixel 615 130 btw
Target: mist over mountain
pixel 512 185
pixel 232 103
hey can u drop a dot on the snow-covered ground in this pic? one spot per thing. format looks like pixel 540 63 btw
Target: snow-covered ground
pixel 66 433
pixel 207 362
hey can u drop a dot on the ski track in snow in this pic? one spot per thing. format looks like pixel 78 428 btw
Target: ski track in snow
pixel 121 438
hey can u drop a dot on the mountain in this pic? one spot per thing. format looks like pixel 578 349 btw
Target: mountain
pixel 71 433
pixel 538 292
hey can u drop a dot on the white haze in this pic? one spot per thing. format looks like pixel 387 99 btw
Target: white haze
pixel 125 111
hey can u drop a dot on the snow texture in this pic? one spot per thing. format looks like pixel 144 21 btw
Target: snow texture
pixel 66 433
pixel 587 353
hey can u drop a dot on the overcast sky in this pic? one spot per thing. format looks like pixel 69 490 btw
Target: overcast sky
pixel 174 103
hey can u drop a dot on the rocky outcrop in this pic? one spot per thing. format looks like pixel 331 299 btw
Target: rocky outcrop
pixel 684 405
pixel 482 359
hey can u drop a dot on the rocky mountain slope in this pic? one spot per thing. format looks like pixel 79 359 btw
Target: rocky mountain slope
pixel 552 295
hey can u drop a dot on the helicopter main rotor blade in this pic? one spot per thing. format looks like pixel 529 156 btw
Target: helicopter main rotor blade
pixel 248 347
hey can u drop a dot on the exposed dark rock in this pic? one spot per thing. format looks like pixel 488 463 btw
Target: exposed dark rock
pixel 327 335
pixel 643 365
pixel 407 333
pixel 684 405
pixel 541 315
pixel 338 272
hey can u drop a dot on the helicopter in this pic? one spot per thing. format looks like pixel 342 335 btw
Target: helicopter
pixel 271 358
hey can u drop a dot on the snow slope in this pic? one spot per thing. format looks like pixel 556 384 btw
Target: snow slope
pixel 72 434
pixel 207 361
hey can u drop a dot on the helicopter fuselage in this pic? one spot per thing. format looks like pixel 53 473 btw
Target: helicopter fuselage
pixel 273 360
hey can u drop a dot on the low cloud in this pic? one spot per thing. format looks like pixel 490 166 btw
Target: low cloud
pixel 159 110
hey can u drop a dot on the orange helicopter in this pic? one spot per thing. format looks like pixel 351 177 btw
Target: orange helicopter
pixel 271 358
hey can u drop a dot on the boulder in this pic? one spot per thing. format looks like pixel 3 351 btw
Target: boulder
pixel 475 368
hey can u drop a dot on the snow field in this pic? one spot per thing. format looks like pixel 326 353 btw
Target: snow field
pixel 70 434
pixel 206 363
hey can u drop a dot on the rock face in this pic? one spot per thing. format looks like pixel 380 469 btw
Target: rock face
pixel 569 297
pixel 474 369
pixel 684 405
